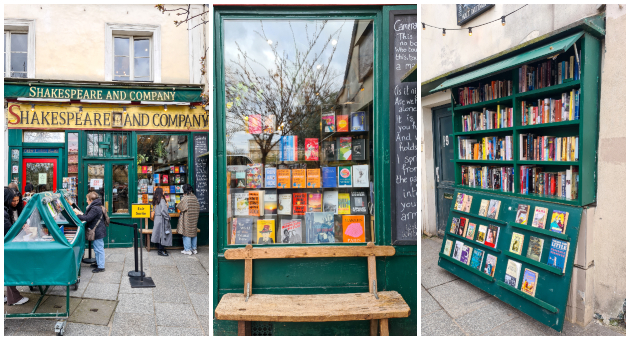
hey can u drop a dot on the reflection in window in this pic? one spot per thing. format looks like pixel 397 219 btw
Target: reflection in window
pixel 132 58
pixel 41 175
pixel 43 137
pixel 120 189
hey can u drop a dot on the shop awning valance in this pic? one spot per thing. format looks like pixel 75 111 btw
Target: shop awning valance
pixel 542 52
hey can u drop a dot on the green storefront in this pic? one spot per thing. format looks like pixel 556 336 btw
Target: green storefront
pixel 290 82
pixel 121 140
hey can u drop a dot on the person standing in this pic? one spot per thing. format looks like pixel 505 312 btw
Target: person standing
pixel 20 205
pixel 161 223
pixel 10 216
pixel 188 217
pixel 95 219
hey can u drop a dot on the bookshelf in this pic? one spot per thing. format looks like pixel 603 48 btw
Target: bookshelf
pixel 585 127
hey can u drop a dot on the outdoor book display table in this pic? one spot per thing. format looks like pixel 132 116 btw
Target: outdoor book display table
pixel 47 252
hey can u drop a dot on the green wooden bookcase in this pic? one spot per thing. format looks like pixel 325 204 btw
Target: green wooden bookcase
pixel 552 292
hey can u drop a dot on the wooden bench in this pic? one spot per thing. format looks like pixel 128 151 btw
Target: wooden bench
pixel 378 307
pixel 149 232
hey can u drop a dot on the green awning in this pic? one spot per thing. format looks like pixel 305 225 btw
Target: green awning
pixel 542 52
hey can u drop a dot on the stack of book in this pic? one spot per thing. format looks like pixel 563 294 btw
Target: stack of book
pixel 489 177
pixel 548 73
pixel 486 119
pixel 548 148
pixel 549 110
pixel 488 148
pixel 561 184
pixel 495 89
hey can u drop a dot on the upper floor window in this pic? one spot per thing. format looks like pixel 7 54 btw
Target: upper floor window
pixel 19 48
pixel 132 58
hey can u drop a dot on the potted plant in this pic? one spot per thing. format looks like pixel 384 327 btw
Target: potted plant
pixel 160 151
pixel 142 158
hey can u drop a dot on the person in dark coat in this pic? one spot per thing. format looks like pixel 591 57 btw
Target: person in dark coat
pixel 20 205
pixel 13 295
pixel 93 216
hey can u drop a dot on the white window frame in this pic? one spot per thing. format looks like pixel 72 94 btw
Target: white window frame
pixel 132 57
pixel 132 30
pixel 21 26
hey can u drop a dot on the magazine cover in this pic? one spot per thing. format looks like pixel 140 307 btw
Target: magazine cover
pixel 254 175
pixel 328 122
pixel 265 231
pixel 290 231
pixel 319 227
pixel 311 149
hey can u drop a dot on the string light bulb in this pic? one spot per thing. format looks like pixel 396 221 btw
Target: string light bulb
pixel 32 107
pixel 124 109
pixel 503 20
pixel 423 28
pixel 443 32
pixel 165 109
pixel 470 31
pixel 80 109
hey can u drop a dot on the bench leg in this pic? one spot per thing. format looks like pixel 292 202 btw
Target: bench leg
pixel 384 327
pixel 244 328
pixel 373 327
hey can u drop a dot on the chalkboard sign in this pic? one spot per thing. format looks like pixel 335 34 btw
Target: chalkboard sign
pixel 403 99
pixel 202 168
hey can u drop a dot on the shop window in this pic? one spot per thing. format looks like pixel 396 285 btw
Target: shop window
pixel 162 163
pixel 108 144
pixel 132 52
pixel 19 48
pixel 299 113
pixel 70 183
pixel 43 137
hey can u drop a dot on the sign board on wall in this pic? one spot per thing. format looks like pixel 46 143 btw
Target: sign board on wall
pixel 96 183
pixel 140 210
pixel 465 13
pixel 189 95
pixel 42 178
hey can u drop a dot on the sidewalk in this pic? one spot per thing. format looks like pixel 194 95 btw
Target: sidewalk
pixel 105 303
pixel 452 306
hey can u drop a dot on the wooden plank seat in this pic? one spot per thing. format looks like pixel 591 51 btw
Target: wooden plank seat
pixel 378 307
pixel 149 232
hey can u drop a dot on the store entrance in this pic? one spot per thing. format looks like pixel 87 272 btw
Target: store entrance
pixel 110 180
pixel 41 173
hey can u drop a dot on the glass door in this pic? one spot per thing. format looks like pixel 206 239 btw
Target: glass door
pixel 41 173
pixel 110 180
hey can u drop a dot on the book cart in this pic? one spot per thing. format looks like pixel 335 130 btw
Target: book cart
pixel 548 305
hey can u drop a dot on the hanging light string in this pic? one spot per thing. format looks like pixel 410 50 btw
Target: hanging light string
pixel 502 18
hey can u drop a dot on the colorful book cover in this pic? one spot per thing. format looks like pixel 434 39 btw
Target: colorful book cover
pixel 241 204
pixel 182 169
pixel 463 224
pixel 288 148
pixel 470 231
pixel 345 148
pixel 166 189
pixel 176 168
pixel 492 236
pixel 299 203
pixel 298 178
pixel 243 232
pixel 329 151
pixel 468 203
pixel 454 225
pixel 540 218
pixel 241 179
pixel 314 202
pixel 344 177
pixel 353 228
pixel 150 189
pixel 493 209
pixel 265 231
pixel 558 254
pixel 270 178
pixel 481 234
pixel 254 175
pixel 256 200
pixel 516 244
pixel 150 169
pixel 290 231
pixel 359 122
pixel 171 189
pixel 329 177
pixel 343 208
pixel 255 125
pixel 172 167
pixel 328 122
pixel 320 227
pixel 269 125
pixel 156 178
pixel 530 279
pixel 358 149
pixel 459 201
pixel 284 178
pixel 447 247
pixel 522 213
pixel 358 203
pixel 465 255
pixel 331 201
pixel 313 178
pixel 164 179
pixel 477 259
pixel 512 273
pixel 271 204
pixel 535 247
pixel 145 198
pixel 284 204
pixel 342 123
pixel 144 169
pixel 311 149
pixel 559 221
pixel 361 176
pixel 491 263
pixel 457 252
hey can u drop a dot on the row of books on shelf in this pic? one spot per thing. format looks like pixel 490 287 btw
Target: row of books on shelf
pixel 486 148
pixel 171 201
pixel 317 227
pixel 551 110
pixel 548 148
pixel 488 177
pixel 342 149
pixel 174 169
pixel 357 176
pixel 144 188
pixel 563 184
pixel 167 179
pixel 355 121
pixel 548 73
pixel 493 90
pixel 259 203
pixel 487 120
pixel 489 209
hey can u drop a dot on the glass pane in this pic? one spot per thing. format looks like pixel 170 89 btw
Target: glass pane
pixel 19 74
pixel 73 142
pixel 96 177
pixel 141 67
pixel 121 68
pixel 121 46
pixel 19 42
pixel 120 189
pixel 141 47
pixel 44 137
pixel 40 175
pixel 19 62
pixel 299 161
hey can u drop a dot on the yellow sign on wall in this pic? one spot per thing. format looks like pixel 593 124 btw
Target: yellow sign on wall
pixel 140 210
pixel 103 117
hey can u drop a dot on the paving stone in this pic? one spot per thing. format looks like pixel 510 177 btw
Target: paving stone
pixel 135 304
pixel 595 328
pixel 179 331
pixel 164 261
pixel 459 297
pixel 439 324
pixel 114 257
pixel 204 320
pixel 125 288
pixel 61 290
pixel 94 312
pixel 11 326
pixel 175 315
pixel 81 329
pixel 24 308
pixel 133 324
pixel 103 291
pixel 516 327
pixel 434 275
pixel 54 304
pixel 191 268
pixel 37 327
pixel 430 249
pixel 170 294
pixel 487 317
pixel 108 276
pixel 201 303
pixel 112 266
pixel 197 283
pixel 429 305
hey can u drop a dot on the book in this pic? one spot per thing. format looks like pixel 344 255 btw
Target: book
pixel 359 121
pixel 144 169
pixel 558 254
pixel 241 204
pixel 345 148
pixel 164 179
pixel 361 176
pixel 559 221
pixel 358 203
pixel 271 204
pixel 465 255
pixel 328 122
pixel 243 230
pixel 343 208
pixel 313 178
pixel 344 177
pixel 522 213
pixel 493 209
pixel 481 234
pixel 353 228
pixel 512 273
pixel 284 178
pixel 477 259
pixel 290 231
pixel 298 178
pixel 342 123
pixel 254 175
pixel 270 178
pixel 454 225
pixel 468 203
pixel 255 124
pixel 156 178
pixel 172 167
pixel 459 201
pixel 256 205
pixel 288 148
pixel 269 125
pixel 483 208
pixel 329 151
pixel 516 244
pixel 329 177
pixel 320 227
pixel 530 279
pixel 311 149
pixel 463 224
pixel 331 201
pixel 457 252
pixel 284 204
pixel 470 231
pixel 491 263
pixel 266 231
pixel 299 203
pixel 358 149
pixel 314 202
pixel 492 236
pixel 534 248
pixel 447 247
pixel 540 218
pixel 240 179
